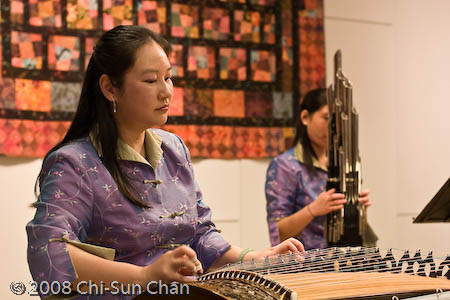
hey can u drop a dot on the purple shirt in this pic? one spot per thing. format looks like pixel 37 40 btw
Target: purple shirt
pixel 80 201
pixel 290 186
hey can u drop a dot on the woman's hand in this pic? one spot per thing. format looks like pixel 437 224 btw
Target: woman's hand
pixel 179 265
pixel 364 198
pixel 290 245
pixel 327 202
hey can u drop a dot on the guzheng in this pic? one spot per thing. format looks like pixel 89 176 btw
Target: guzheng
pixel 333 273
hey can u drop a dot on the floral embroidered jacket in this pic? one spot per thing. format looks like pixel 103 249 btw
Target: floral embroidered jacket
pixel 290 186
pixel 80 203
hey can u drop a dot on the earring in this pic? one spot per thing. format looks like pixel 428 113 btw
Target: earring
pixel 114 106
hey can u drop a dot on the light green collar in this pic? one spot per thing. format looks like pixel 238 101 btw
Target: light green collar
pixel 298 154
pixel 152 145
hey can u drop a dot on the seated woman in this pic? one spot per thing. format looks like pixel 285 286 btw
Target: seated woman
pixel 113 183
pixel 297 202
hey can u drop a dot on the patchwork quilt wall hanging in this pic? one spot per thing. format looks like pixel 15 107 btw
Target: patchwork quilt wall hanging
pixel 240 68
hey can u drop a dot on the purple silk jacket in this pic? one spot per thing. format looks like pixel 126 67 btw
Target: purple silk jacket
pixel 290 186
pixel 80 202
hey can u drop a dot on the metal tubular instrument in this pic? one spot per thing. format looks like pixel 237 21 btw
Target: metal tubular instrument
pixel 347 226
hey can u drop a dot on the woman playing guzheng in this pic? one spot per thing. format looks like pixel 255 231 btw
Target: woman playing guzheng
pixel 114 185
pixel 297 202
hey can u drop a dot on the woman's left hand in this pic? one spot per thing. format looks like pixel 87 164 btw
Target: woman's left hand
pixel 290 245
pixel 364 198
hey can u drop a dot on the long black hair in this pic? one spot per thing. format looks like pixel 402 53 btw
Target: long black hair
pixel 114 54
pixel 313 101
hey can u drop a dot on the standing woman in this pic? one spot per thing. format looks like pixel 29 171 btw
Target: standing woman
pixel 113 185
pixel 297 202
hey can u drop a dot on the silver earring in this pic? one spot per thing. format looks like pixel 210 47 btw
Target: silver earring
pixel 114 106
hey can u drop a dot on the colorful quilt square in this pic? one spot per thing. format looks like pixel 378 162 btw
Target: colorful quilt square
pixel 220 141
pixel 198 102
pixel 201 62
pixel 176 107
pixel 26 50
pixel 247 142
pixel 152 14
pixel 312 50
pixel 262 65
pixel 82 14
pixel 233 64
pixel 216 23
pixel 176 60
pixel 17 10
pixel 63 53
pixel 10 139
pixel 269 29
pixel 258 104
pixel 7 93
pixel 274 139
pixel 29 138
pixel 246 26
pixel 45 13
pixel 88 49
pixel 288 134
pixel 32 95
pixel 313 8
pixel 185 21
pixel 282 105
pixel 65 96
pixel 229 103
pixel 117 12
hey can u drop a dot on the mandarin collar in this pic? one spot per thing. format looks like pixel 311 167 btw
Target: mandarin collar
pixel 298 154
pixel 152 145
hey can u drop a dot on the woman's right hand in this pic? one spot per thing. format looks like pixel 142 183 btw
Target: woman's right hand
pixel 327 202
pixel 180 264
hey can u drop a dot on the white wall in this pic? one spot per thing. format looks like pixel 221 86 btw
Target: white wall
pixel 396 54
pixel 422 130
pixel 235 191
pixel 17 178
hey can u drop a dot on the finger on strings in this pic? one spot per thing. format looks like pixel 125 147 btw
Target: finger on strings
pixel 298 245
pixel 183 278
pixel 184 262
pixel 185 250
pixel 290 247
pixel 189 270
pixel 198 267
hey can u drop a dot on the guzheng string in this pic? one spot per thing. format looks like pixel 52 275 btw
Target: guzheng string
pixel 332 260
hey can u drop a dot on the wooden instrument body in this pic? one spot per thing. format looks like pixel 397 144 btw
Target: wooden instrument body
pixel 324 274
